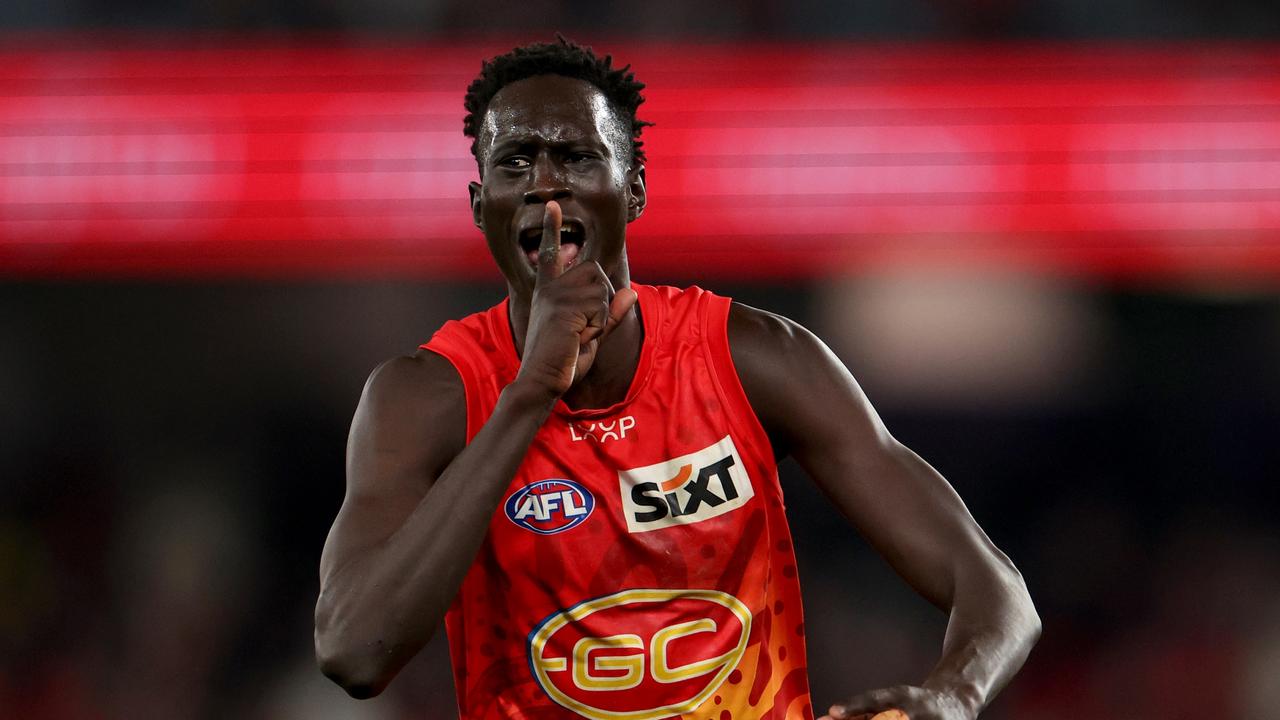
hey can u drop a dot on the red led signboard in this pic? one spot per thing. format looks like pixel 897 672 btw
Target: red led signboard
pixel 330 160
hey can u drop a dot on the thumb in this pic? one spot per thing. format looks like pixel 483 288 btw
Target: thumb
pixel 622 302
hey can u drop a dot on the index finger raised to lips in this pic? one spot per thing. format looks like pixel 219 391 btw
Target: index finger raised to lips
pixel 550 265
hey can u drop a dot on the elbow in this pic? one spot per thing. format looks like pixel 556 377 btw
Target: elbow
pixel 1031 627
pixel 995 584
pixel 1028 618
pixel 1034 625
pixel 361 678
pixel 360 656
pixel 362 669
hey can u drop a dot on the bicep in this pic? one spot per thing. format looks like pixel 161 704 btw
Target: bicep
pixel 408 426
pixel 903 507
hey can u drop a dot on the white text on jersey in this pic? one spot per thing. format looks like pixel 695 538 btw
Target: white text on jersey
pixel 602 431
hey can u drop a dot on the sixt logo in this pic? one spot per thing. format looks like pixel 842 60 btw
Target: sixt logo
pixel 687 489
pixel 640 654
pixel 551 506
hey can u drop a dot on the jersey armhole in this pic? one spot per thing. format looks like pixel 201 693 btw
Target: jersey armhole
pixel 453 621
pixel 715 328
pixel 466 374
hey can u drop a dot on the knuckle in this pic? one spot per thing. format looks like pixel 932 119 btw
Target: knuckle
pixel 589 293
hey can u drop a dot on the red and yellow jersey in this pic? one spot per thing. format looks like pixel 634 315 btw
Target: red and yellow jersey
pixel 640 566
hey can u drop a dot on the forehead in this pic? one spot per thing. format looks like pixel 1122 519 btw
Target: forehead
pixel 553 109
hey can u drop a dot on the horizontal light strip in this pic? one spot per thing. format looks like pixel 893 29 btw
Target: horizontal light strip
pixel 268 160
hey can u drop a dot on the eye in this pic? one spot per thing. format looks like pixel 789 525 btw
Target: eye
pixel 577 157
pixel 518 162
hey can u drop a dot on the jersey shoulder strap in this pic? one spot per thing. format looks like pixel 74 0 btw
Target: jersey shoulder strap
pixel 480 348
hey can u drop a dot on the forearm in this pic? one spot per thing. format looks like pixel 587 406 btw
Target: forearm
pixel 991 629
pixel 379 608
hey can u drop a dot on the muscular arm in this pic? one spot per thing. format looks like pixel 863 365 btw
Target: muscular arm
pixel 902 506
pixel 390 567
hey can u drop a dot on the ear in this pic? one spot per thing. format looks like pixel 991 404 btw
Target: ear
pixel 477 205
pixel 636 196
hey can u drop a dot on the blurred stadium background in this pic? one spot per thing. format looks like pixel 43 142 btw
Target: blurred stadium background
pixel 1044 235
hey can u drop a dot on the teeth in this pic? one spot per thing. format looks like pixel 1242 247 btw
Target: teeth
pixel 536 232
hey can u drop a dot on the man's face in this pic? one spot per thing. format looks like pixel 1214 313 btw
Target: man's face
pixel 554 138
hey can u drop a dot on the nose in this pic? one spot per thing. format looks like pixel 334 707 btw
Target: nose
pixel 546 182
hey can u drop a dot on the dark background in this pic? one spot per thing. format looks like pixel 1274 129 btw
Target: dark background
pixel 801 19
pixel 172 451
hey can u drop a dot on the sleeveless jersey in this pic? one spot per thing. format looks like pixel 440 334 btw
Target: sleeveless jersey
pixel 640 566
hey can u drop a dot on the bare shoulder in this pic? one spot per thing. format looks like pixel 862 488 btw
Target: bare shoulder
pixel 413 409
pixel 761 337
pixel 410 379
pixel 781 365
pixel 774 351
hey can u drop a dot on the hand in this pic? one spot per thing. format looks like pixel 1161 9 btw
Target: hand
pixel 916 702
pixel 572 313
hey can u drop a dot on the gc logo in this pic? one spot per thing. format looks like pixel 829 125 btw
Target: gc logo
pixel 640 654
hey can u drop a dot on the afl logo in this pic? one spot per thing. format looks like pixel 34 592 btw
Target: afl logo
pixel 640 654
pixel 550 506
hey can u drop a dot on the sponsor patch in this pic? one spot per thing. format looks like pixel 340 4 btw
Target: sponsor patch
pixel 639 654
pixel 687 489
pixel 602 431
pixel 550 506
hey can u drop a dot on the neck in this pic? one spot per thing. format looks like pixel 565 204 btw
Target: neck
pixel 610 376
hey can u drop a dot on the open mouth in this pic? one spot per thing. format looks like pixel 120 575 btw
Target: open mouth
pixel 572 238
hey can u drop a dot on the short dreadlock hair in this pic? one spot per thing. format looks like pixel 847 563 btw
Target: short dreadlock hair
pixel 562 57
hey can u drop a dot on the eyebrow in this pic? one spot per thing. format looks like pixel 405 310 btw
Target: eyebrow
pixel 528 140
